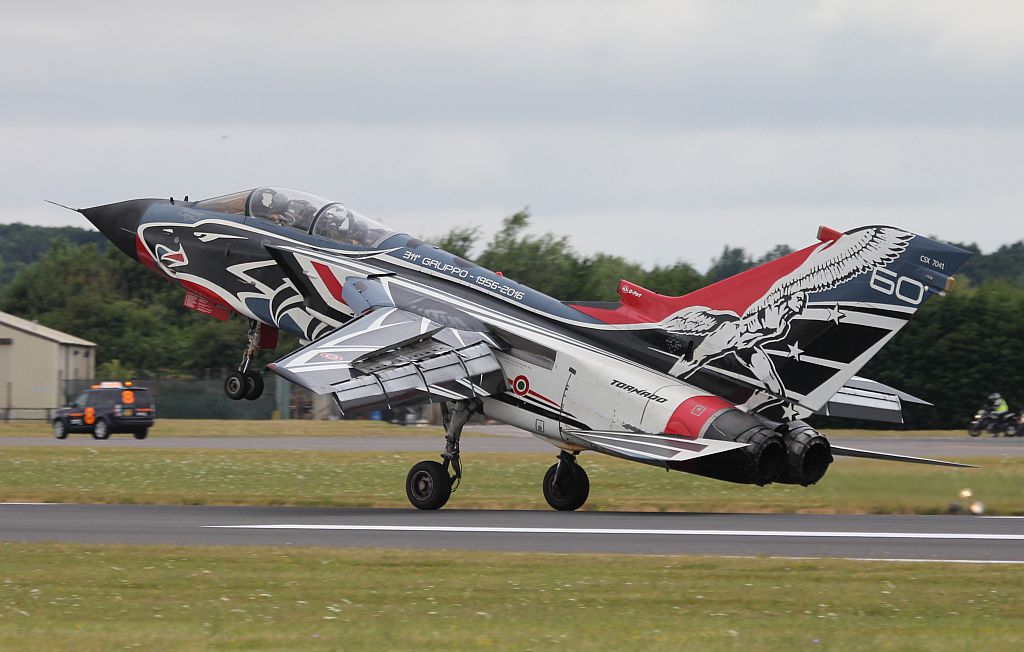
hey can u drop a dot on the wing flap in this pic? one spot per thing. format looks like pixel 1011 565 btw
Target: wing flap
pixel 654 449
pixel 391 357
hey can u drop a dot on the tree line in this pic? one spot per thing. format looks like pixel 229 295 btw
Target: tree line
pixel 956 350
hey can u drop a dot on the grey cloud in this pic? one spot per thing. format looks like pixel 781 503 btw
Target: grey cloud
pixel 656 131
pixel 692 65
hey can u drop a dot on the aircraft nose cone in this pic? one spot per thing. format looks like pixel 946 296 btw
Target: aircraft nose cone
pixel 119 222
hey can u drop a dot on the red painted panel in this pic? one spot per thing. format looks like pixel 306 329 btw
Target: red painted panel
pixel 329 279
pixel 689 418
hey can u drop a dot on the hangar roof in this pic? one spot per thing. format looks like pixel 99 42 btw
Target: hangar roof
pixel 33 328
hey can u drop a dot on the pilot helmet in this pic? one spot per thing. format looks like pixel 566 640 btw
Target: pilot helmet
pixel 267 202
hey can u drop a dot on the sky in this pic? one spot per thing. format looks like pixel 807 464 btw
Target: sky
pixel 656 131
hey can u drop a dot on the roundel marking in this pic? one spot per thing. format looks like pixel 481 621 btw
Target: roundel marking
pixel 521 385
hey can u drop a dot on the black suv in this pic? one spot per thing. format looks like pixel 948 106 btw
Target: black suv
pixel 107 408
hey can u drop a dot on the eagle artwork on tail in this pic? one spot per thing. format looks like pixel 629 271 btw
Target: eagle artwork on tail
pixel 767 319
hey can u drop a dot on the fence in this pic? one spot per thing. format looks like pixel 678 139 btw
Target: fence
pixel 193 399
pixel 205 399
pixel 27 413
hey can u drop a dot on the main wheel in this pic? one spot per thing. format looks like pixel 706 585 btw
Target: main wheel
pixel 428 485
pixel 236 386
pixel 141 433
pixel 572 489
pixel 253 385
pixel 100 430
pixel 60 430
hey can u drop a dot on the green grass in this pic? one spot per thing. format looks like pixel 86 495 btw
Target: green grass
pixel 89 597
pixel 492 480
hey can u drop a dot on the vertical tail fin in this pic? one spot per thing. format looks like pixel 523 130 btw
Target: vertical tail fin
pixel 797 328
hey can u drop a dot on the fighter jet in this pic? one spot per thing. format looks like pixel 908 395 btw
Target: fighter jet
pixel 717 382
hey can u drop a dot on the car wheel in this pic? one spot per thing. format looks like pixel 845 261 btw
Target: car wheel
pixel 235 385
pixel 60 429
pixel 253 385
pixel 141 433
pixel 101 430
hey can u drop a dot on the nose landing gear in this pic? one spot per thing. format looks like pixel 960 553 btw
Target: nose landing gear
pixel 245 382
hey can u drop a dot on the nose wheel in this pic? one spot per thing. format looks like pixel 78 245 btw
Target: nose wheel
pixel 245 382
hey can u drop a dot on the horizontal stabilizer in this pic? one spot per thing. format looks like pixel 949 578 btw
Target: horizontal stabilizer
pixel 654 449
pixel 872 455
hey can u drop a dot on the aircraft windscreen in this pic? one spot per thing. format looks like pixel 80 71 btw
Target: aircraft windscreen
pixel 348 227
pixel 233 204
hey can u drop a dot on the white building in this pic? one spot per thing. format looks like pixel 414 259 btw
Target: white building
pixel 35 362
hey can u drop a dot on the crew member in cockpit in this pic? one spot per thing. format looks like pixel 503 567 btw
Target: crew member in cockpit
pixel 351 230
pixel 270 205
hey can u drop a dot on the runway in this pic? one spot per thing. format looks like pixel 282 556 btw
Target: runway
pixel 498 439
pixel 916 538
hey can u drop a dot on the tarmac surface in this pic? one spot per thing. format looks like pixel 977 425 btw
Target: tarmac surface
pixel 501 440
pixel 967 539
pixel 964 539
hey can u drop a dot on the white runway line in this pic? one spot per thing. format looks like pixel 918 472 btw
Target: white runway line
pixel 31 503
pixel 555 530
pixel 942 561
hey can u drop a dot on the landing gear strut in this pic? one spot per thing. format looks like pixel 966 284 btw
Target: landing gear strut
pixel 245 382
pixel 429 485
pixel 566 485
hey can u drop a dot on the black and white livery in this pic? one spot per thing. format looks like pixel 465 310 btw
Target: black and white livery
pixel 716 382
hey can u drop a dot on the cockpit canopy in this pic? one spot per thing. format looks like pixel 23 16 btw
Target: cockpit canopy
pixel 301 211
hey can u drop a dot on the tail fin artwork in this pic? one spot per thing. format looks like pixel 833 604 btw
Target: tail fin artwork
pixel 796 329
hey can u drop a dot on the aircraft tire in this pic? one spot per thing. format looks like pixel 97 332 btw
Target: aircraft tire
pixel 572 494
pixel 101 430
pixel 253 385
pixel 236 386
pixel 428 485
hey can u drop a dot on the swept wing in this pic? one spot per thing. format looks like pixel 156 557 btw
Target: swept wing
pixel 390 357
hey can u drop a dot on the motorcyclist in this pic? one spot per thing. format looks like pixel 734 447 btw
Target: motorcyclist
pixel 997 404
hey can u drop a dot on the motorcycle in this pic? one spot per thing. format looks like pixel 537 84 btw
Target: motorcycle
pixel 1008 424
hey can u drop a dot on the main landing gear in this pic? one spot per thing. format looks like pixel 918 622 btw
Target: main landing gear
pixel 245 382
pixel 429 484
pixel 566 485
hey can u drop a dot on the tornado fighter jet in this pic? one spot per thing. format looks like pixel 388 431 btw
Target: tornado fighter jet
pixel 717 382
